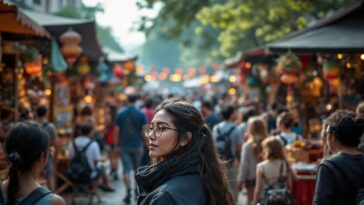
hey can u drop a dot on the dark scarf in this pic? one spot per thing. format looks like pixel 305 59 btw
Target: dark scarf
pixel 150 177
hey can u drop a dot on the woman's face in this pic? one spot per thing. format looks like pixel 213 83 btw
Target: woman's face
pixel 163 138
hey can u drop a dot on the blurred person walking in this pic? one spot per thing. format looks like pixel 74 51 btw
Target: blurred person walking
pixel 285 123
pixel 251 155
pixel 228 145
pixel 42 114
pixel 210 117
pixel 130 122
pixel 109 139
pixel 184 155
pixel 27 148
pixel 341 176
pixel 274 175
pixel 360 113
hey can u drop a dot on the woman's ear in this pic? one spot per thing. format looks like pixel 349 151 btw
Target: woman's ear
pixel 185 141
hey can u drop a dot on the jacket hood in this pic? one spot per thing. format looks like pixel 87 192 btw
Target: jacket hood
pixel 150 177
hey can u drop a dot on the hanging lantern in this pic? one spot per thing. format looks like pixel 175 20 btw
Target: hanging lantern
pixel 83 67
pixel 34 67
pixel 128 67
pixel 289 79
pixel 331 69
pixel 289 63
pixel 71 49
pixel 118 71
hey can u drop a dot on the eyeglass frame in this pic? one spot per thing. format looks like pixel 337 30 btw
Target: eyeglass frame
pixel 148 133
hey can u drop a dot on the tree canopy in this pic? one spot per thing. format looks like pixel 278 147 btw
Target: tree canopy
pixel 237 24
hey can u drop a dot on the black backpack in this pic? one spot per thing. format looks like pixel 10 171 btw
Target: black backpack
pixel 277 193
pixel 359 199
pixel 79 170
pixel 223 144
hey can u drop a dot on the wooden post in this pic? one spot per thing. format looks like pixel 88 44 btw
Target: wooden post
pixel 51 101
pixel 16 85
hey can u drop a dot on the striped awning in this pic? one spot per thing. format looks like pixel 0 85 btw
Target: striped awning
pixel 13 20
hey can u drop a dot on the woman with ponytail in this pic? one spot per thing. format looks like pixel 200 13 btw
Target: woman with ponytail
pixel 27 148
pixel 186 168
pixel 251 155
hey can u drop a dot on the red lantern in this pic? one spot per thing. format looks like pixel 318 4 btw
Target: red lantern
pixel 118 71
pixel 71 49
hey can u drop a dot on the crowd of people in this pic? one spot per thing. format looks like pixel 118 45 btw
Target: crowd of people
pixel 167 145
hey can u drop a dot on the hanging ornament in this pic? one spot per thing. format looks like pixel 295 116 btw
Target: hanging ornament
pixel 83 67
pixel 128 66
pixel 289 79
pixel 34 67
pixel 118 70
pixel 101 66
pixel 331 69
pixel 71 49
pixel 289 63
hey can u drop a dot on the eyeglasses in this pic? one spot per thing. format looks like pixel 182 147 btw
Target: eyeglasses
pixel 157 129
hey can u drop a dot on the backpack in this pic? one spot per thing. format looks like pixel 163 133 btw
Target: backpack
pixel 359 199
pixel 277 193
pixel 79 170
pixel 223 144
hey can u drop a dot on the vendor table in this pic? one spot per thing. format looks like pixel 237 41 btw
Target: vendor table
pixel 62 165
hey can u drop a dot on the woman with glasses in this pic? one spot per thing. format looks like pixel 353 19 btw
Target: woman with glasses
pixel 186 168
pixel 342 174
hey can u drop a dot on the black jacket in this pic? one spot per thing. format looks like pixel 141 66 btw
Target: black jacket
pixel 172 182
pixel 334 188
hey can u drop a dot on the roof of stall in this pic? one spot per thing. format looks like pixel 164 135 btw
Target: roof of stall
pixel 57 25
pixel 340 32
pixel 14 20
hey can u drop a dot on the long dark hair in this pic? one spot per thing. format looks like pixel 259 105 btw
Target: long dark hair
pixel 187 118
pixel 24 145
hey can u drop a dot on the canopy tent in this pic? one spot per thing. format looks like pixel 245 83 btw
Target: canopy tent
pixel 57 25
pixel 340 32
pixel 13 20
pixel 115 56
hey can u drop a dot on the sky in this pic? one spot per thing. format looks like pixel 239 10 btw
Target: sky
pixel 120 15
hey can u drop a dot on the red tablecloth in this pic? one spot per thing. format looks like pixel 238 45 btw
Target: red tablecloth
pixel 304 189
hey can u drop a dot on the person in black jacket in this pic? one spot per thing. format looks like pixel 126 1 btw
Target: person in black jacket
pixel 185 166
pixel 341 175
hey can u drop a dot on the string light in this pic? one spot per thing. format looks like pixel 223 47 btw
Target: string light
pixel 339 56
